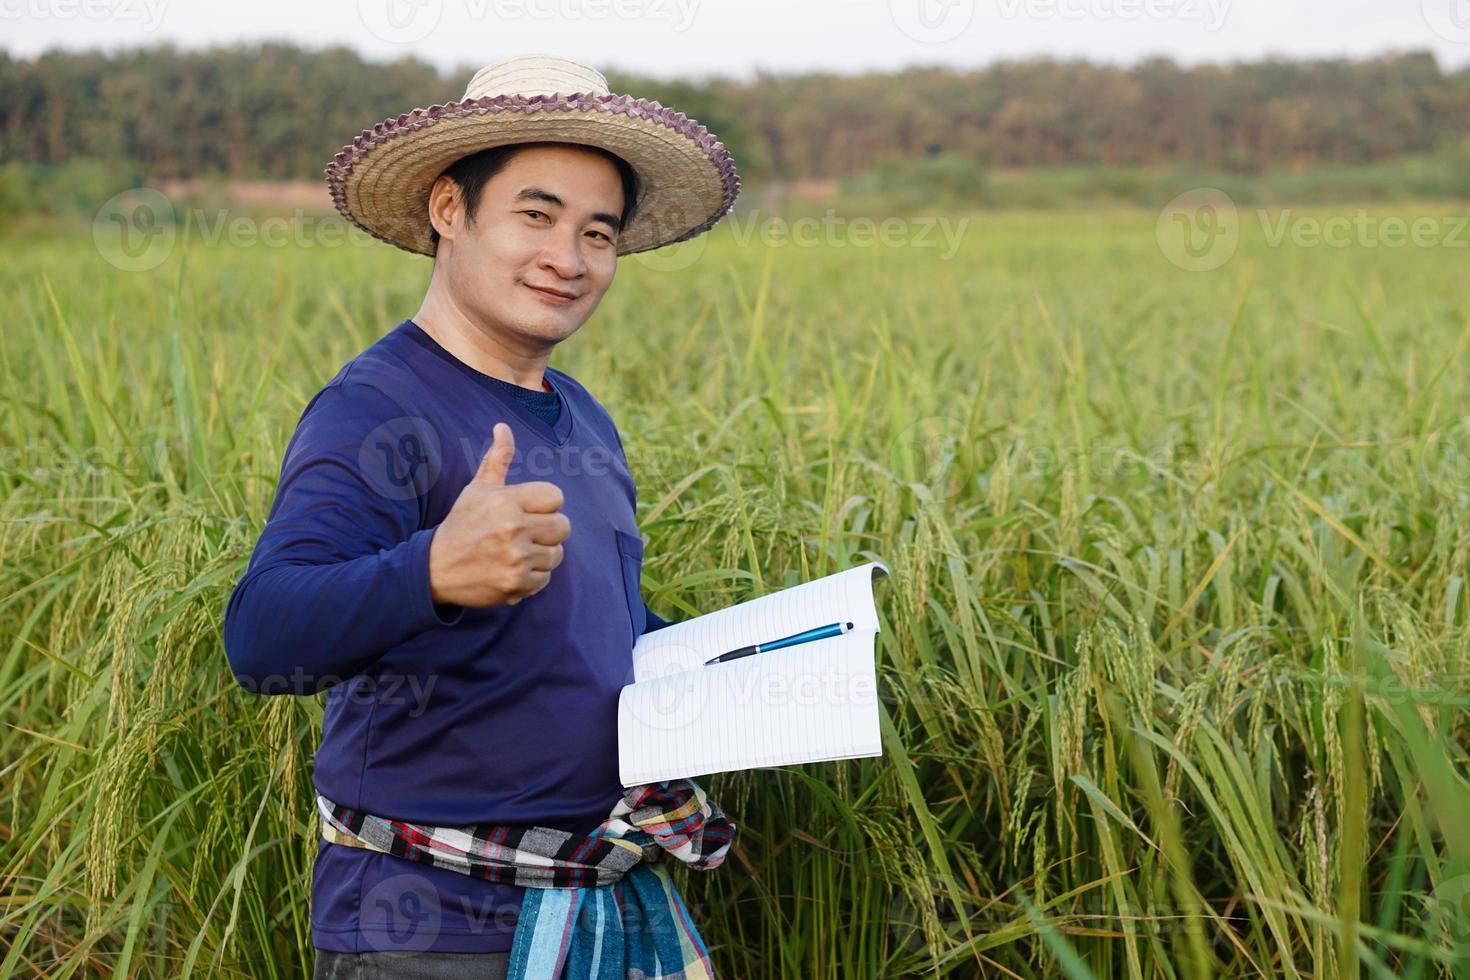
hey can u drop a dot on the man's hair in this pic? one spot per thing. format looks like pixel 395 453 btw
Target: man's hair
pixel 472 172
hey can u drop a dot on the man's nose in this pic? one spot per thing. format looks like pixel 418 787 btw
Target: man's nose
pixel 564 256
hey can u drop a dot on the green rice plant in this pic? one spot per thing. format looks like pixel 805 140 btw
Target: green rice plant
pixel 1174 667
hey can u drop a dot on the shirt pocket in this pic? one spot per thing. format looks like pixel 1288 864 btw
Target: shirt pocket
pixel 630 555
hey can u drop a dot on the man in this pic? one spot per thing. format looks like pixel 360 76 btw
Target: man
pixel 453 552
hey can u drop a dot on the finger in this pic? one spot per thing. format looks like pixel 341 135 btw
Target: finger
pixel 548 529
pixel 547 558
pixel 533 580
pixel 497 458
pixel 539 497
pixel 536 581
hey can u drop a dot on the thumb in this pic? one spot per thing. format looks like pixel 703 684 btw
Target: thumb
pixel 497 460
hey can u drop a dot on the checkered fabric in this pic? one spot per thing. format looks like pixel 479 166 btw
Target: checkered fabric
pixel 599 905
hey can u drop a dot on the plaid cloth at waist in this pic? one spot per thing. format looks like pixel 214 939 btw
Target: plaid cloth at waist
pixel 599 905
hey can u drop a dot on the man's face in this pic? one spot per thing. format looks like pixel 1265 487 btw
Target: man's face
pixel 546 221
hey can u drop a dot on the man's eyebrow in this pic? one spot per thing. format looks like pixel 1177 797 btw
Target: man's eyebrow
pixel 538 194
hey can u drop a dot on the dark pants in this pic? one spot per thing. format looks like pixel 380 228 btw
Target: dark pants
pixel 389 965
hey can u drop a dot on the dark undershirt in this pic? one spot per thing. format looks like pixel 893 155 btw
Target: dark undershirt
pixel 544 404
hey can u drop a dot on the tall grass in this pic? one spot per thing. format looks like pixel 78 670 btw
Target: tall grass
pixel 1174 663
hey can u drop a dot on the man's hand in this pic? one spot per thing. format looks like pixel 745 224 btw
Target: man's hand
pixel 498 543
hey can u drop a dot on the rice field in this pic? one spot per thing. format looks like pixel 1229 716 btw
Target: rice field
pixel 1174 668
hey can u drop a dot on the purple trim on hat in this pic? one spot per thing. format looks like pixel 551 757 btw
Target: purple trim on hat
pixel 342 164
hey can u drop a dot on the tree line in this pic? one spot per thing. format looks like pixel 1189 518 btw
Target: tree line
pixel 277 110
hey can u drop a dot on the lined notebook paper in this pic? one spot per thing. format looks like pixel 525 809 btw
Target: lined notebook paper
pixel 811 702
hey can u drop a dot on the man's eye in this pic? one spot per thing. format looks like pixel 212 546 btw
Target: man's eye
pixel 539 213
pixel 604 236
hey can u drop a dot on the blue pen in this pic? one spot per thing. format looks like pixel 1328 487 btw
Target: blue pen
pixel 819 633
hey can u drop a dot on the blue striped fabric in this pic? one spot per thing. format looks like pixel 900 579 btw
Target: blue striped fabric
pixel 638 927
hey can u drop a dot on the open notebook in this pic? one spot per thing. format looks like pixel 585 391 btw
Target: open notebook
pixel 811 702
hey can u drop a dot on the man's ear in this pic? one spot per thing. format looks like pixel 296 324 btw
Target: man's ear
pixel 443 206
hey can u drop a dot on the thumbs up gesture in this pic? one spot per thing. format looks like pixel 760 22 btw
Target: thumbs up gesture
pixel 499 542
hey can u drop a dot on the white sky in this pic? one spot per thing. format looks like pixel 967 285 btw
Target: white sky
pixel 690 38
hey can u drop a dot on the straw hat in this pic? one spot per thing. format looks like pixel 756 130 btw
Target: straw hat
pixel 381 180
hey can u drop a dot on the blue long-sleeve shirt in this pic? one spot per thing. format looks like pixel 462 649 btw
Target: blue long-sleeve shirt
pixel 438 713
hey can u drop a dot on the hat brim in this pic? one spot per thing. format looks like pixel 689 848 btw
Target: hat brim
pixel 381 180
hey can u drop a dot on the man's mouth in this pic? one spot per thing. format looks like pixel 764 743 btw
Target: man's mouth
pixel 554 295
